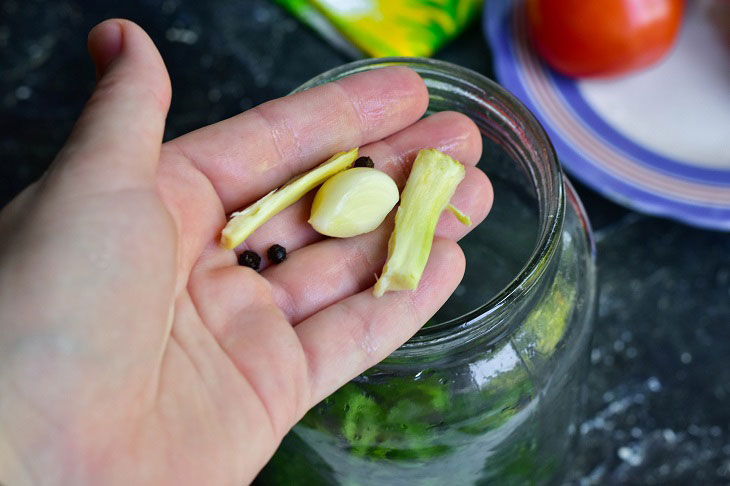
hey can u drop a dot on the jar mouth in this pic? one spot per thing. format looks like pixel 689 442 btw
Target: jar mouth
pixel 506 121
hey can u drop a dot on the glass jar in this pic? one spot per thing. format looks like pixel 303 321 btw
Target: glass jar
pixel 489 391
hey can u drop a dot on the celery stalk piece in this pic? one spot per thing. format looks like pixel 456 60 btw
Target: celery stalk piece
pixel 243 223
pixel 461 216
pixel 431 184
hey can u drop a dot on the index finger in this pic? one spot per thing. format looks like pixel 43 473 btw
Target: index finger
pixel 246 156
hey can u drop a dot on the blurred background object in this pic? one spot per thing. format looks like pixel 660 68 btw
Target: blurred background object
pixel 656 139
pixel 603 37
pixel 381 28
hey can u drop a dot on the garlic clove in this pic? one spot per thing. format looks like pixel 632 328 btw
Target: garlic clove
pixel 353 202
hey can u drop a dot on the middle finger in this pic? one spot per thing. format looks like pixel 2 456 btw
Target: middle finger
pixel 449 132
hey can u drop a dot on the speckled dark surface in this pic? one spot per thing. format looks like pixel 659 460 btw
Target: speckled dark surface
pixel 660 379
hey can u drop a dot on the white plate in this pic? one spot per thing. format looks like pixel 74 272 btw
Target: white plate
pixel 657 140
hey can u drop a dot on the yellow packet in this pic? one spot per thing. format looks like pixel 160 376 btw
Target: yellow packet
pixel 381 28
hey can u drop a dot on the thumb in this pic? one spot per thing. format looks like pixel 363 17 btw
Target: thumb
pixel 116 142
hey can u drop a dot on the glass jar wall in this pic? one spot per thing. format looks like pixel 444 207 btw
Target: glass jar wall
pixel 489 391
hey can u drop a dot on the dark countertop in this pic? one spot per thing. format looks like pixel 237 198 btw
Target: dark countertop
pixel 659 384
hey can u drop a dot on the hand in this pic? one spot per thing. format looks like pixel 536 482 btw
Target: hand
pixel 133 348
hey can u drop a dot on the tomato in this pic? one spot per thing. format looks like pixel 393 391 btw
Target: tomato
pixel 603 37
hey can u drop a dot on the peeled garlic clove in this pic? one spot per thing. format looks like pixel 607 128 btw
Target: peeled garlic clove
pixel 353 202
pixel 431 183
pixel 243 223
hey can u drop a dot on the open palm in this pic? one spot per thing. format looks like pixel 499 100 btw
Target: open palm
pixel 133 349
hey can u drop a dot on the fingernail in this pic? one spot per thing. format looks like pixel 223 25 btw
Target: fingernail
pixel 105 44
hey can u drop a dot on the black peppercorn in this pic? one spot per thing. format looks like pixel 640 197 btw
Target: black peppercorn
pixel 364 161
pixel 249 259
pixel 276 253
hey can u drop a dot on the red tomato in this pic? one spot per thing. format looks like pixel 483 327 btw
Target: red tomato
pixel 603 37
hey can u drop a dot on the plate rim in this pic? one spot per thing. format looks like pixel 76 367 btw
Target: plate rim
pixel 497 26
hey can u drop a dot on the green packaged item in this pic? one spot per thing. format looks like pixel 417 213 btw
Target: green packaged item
pixel 379 28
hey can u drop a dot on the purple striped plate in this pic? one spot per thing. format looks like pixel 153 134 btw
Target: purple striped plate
pixel 657 141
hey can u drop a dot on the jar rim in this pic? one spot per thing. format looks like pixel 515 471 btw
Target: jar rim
pixel 482 321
